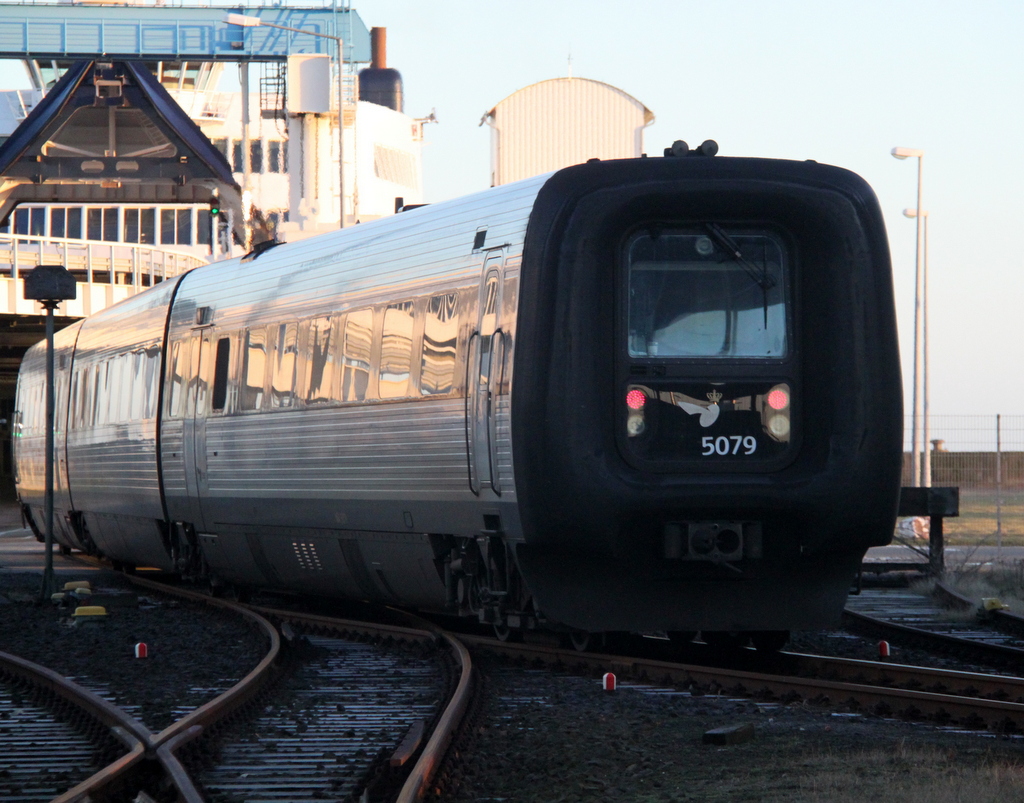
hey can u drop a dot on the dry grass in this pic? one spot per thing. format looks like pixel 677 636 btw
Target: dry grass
pixel 900 771
pixel 977 522
pixel 908 774
pixel 1005 582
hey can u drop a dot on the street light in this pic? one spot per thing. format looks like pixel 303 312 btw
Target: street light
pixel 245 21
pixel 917 415
pixel 49 285
pixel 926 470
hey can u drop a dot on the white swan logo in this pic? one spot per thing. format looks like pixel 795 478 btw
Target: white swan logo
pixel 708 415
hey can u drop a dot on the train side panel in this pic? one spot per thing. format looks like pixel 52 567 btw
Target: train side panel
pixel 29 435
pixel 112 428
pixel 329 448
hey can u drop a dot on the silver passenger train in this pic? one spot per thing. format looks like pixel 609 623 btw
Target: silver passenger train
pixel 644 395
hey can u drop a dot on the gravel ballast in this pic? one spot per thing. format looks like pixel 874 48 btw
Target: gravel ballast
pixel 195 652
pixel 543 736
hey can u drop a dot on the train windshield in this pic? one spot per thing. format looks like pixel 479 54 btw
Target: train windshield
pixel 708 293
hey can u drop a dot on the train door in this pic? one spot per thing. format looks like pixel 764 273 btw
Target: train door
pixel 486 357
pixel 62 502
pixel 194 425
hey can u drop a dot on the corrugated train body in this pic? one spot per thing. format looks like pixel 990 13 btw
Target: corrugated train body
pixel 655 395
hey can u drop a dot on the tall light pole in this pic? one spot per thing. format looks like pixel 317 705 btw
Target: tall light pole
pixel 245 21
pixel 916 417
pixel 49 285
pixel 926 469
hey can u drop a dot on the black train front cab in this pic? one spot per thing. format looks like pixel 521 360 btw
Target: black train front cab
pixel 707 415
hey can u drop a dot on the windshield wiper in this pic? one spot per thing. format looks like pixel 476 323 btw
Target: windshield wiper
pixel 728 244
pixel 760 277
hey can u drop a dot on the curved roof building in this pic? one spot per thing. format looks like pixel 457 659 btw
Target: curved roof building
pixel 561 122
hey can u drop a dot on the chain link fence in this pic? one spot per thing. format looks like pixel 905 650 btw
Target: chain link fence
pixel 983 455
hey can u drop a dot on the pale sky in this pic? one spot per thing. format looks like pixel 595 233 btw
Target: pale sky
pixel 841 83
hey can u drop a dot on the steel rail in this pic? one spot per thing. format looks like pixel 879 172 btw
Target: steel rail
pixel 998 652
pixel 973 712
pixel 425 769
pixel 428 633
pixel 143 744
pixel 969 684
pixel 128 730
pixel 952 598
pixel 1005 621
pixel 191 726
pixel 223 704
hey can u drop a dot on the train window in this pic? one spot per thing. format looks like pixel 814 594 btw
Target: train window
pixel 319 363
pixel 135 368
pixel 716 292
pixel 356 355
pixel 104 399
pixel 83 417
pixel 116 394
pixel 254 371
pixel 176 383
pixel 396 351
pixel 75 395
pixel 282 383
pixel 127 389
pixel 440 335
pixel 96 390
pixel 489 318
pixel 220 374
pixel 151 380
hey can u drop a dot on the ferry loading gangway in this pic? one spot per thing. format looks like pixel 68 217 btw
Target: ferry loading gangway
pixel 175 31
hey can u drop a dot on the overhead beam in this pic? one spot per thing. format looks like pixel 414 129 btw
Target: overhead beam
pixel 109 131
pixel 66 31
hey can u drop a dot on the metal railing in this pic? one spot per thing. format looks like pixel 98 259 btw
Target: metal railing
pixel 21 101
pixel 91 261
pixel 171 3
pixel 983 455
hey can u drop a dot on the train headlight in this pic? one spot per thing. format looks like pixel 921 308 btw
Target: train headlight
pixel 778 425
pixel 636 401
pixel 775 407
pixel 778 399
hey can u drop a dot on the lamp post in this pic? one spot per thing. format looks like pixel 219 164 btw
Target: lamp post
pixel 926 468
pixel 245 21
pixel 49 285
pixel 916 416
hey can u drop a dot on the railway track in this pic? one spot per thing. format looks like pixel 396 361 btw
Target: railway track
pixel 330 720
pixel 327 727
pixel 943 622
pixel 53 734
pixel 321 737
pixel 966 699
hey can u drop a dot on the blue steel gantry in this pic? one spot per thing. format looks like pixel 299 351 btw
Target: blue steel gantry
pixel 194 33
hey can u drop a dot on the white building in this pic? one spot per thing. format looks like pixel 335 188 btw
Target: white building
pixel 289 165
pixel 560 122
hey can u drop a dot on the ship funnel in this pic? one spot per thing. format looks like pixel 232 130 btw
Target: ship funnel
pixel 378 83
